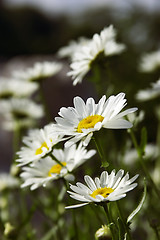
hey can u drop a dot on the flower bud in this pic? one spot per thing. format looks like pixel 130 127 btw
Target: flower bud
pixel 103 233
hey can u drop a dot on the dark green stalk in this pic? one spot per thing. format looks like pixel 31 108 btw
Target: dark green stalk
pixel 123 221
pixel 141 160
pixel 109 220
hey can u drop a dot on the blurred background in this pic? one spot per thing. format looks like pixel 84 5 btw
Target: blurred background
pixel 33 30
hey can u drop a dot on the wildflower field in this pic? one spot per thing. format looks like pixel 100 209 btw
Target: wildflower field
pixel 92 169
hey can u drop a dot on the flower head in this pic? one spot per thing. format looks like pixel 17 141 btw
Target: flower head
pixel 109 187
pixel 7 181
pixel 39 71
pixel 20 112
pixel 42 172
pixel 81 121
pixel 85 54
pixel 16 88
pixel 150 93
pixel 150 61
pixel 38 144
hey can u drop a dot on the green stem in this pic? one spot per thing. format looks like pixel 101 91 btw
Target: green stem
pixel 109 220
pixel 100 152
pixel 123 221
pixel 55 159
pixel 141 160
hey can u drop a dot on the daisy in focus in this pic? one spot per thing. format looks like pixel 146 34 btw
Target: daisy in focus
pixel 150 93
pixel 150 62
pixel 12 88
pixel 109 187
pixel 47 169
pixel 19 113
pixel 79 122
pixel 103 43
pixel 38 144
pixel 39 71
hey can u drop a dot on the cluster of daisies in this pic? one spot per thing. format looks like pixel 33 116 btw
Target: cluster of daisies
pixel 58 148
pixel 17 106
pixel 42 161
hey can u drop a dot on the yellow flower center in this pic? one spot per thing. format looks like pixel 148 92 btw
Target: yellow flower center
pixel 56 168
pixel 104 192
pixel 89 122
pixel 39 150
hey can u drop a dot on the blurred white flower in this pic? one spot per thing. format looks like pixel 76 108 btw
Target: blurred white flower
pixel 85 54
pixel 150 61
pixel 73 46
pixel 39 71
pixel 16 88
pixel 109 187
pixel 135 118
pixel 47 169
pixel 81 121
pixel 19 112
pixel 37 144
pixel 8 182
pixel 150 93
pixel 131 156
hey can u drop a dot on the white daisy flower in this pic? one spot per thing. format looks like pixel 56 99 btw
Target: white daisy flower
pixel 81 121
pixel 131 156
pixel 85 55
pixel 150 61
pixel 73 46
pixel 7 181
pixel 150 93
pixel 109 187
pixel 39 71
pixel 20 112
pixel 38 144
pixel 46 170
pixel 16 88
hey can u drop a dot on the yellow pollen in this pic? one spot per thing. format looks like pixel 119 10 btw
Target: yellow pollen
pixel 39 150
pixel 89 122
pixel 104 192
pixel 56 169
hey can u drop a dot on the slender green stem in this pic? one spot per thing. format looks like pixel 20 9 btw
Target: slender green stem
pixel 123 221
pixel 141 160
pixel 100 152
pixel 55 159
pixel 109 220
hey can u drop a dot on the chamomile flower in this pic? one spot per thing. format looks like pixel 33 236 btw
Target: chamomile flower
pixel 150 93
pixel 109 187
pixel 16 88
pixel 81 121
pixel 20 112
pixel 7 181
pixel 47 169
pixel 39 71
pixel 103 43
pixel 37 145
pixel 68 51
pixel 150 61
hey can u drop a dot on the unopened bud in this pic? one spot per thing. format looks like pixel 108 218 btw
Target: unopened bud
pixel 103 233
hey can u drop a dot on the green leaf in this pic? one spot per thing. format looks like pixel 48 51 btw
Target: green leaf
pixel 143 140
pixel 138 208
